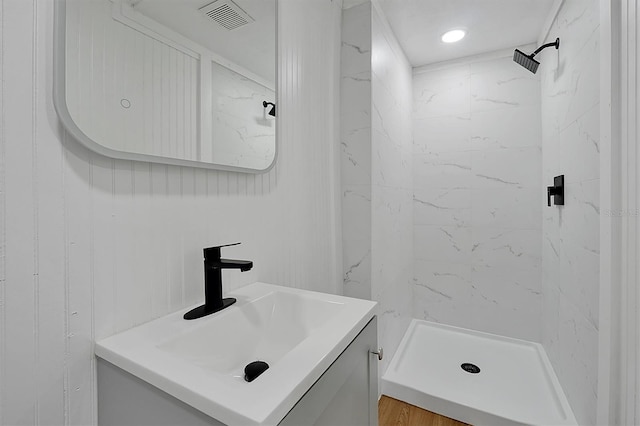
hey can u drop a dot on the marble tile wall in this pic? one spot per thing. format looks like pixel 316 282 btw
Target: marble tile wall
pixel 477 197
pixel 243 133
pixel 376 137
pixel 392 183
pixel 355 139
pixel 570 234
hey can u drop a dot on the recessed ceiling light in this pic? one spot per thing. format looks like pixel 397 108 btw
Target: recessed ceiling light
pixel 453 36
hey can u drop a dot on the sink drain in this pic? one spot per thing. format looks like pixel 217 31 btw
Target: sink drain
pixel 470 368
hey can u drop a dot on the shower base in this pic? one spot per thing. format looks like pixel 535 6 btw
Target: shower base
pixel 515 385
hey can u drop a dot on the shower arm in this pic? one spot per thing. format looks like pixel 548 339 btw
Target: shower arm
pixel 555 44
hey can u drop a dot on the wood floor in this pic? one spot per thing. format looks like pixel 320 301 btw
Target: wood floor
pixel 392 412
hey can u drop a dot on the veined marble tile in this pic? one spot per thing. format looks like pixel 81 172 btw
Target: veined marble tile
pixel 395 312
pixel 442 292
pixel 504 87
pixel 356 211
pixel 442 134
pixel 572 89
pixel 570 261
pixel 513 167
pixel 509 283
pixel 575 358
pixel 496 248
pixel 509 207
pixel 445 97
pixel 356 157
pixel 506 128
pixel 443 170
pixel 357 268
pixel 388 61
pixel 355 101
pixel 512 320
pixel 455 72
pixel 552 165
pixel 390 114
pixel 444 279
pixel 356 40
pixel 580 220
pixel 585 81
pixel 579 280
pixel 392 217
pixel 391 167
pixel 551 314
pixel 442 243
pixel 581 140
pixel 450 207
pixel 575 23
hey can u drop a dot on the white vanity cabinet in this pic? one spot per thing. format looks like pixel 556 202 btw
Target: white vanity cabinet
pixel 345 394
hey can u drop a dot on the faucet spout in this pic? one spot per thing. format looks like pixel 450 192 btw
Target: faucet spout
pixel 243 265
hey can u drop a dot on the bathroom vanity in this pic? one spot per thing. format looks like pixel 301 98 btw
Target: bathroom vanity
pixel 319 348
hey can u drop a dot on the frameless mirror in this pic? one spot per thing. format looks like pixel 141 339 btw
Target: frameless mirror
pixel 186 82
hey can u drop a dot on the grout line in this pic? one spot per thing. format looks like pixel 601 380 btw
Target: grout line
pixel 3 216
pixel 114 241
pixel 67 337
pixel 34 194
pixel 92 361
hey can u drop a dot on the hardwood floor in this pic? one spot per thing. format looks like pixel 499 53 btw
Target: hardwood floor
pixel 392 412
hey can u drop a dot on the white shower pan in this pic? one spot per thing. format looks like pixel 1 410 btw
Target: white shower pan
pixel 516 383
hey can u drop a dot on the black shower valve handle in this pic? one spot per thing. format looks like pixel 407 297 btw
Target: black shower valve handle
pixel 550 192
pixel 556 191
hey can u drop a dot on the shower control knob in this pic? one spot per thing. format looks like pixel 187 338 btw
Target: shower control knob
pixel 379 352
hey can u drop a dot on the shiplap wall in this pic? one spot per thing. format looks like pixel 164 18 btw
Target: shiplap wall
pixel 90 246
pixel 110 64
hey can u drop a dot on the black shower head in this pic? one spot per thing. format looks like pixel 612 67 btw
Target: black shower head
pixel 273 108
pixel 527 61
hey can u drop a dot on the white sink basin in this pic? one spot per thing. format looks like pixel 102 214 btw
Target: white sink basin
pixel 201 362
pixel 264 329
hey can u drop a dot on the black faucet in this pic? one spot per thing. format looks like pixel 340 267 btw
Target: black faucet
pixel 213 266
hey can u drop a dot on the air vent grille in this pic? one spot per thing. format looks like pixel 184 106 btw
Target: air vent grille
pixel 227 13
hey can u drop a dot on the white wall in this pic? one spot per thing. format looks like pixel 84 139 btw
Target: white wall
pixel 90 246
pixel 134 85
pixel 477 196
pixel 110 63
pixel 571 244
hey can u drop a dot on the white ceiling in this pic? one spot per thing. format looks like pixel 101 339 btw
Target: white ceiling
pixel 252 46
pixel 491 25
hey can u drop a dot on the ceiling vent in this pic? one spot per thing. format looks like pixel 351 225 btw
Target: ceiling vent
pixel 227 13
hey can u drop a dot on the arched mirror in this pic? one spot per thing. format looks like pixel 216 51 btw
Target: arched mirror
pixel 185 82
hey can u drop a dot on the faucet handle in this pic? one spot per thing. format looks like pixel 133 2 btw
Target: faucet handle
pixel 214 252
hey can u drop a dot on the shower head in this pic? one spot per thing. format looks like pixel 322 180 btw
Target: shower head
pixel 527 61
pixel 273 107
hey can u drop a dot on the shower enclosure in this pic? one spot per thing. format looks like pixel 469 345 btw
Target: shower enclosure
pixel 485 139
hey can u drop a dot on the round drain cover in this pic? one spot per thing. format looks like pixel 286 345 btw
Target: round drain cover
pixel 470 368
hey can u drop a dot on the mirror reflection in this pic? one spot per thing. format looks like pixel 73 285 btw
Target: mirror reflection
pixel 171 80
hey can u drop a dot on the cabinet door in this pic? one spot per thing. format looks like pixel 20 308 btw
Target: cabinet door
pixel 347 393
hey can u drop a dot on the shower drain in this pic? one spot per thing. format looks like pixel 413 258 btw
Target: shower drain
pixel 470 368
